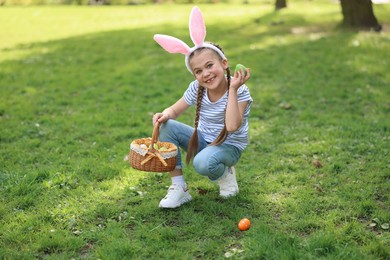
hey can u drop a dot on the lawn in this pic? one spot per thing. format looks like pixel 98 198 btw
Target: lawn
pixel 78 84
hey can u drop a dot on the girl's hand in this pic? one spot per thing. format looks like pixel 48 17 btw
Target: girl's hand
pixel 160 117
pixel 171 112
pixel 239 78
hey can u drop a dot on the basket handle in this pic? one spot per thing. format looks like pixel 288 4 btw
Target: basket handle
pixel 155 135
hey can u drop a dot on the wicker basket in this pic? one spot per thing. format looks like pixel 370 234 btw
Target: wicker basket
pixel 145 157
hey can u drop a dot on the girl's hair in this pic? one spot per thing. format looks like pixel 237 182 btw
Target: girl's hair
pixel 193 144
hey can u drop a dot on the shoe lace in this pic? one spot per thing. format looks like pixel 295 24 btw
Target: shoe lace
pixel 172 189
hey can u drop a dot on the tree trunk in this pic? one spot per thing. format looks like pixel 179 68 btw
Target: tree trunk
pixel 279 4
pixel 359 14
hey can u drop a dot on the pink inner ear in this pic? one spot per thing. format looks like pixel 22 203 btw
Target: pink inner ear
pixel 172 44
pixel 197 27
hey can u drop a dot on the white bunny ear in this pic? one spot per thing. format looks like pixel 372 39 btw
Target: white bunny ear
pixel 197 27
pixel 172 44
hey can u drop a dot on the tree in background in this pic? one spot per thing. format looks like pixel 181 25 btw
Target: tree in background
pixel 356 13
pixel 359 14
pixel 279 4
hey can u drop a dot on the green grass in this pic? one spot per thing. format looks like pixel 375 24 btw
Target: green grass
pixel 78 84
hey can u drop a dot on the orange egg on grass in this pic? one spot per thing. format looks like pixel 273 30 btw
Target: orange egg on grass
pixel 244 224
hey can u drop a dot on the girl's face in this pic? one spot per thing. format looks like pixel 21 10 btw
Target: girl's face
pixel 209 69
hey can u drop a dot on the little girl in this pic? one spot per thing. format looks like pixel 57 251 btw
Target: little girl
pixel 222 102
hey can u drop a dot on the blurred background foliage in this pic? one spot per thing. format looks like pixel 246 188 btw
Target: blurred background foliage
pixel 111 2
pixel 129 2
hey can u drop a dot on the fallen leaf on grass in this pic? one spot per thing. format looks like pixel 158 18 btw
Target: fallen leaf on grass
pixel 77 232
pixel 233 252
pixel 201 191
pixel 316 163
pixel 318 188
pixel 376 222
pixel 286 106
pixel 372 225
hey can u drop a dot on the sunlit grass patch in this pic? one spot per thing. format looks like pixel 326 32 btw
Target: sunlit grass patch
pixel 75 92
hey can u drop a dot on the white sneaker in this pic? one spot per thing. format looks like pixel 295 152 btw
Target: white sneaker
pixel 175 197
pixel 228 186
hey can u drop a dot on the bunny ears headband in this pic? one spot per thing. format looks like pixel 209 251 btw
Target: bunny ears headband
pixel 197 33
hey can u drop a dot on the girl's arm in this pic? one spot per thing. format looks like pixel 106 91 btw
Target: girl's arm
pixel 171 112
pixel 234 110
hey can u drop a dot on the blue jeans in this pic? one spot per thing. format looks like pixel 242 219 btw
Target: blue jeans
pixel 211 160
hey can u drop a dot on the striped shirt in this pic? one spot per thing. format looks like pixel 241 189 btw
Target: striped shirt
pixel 212 115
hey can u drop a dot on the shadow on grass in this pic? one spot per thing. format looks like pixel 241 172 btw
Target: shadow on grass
pixel 71 107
